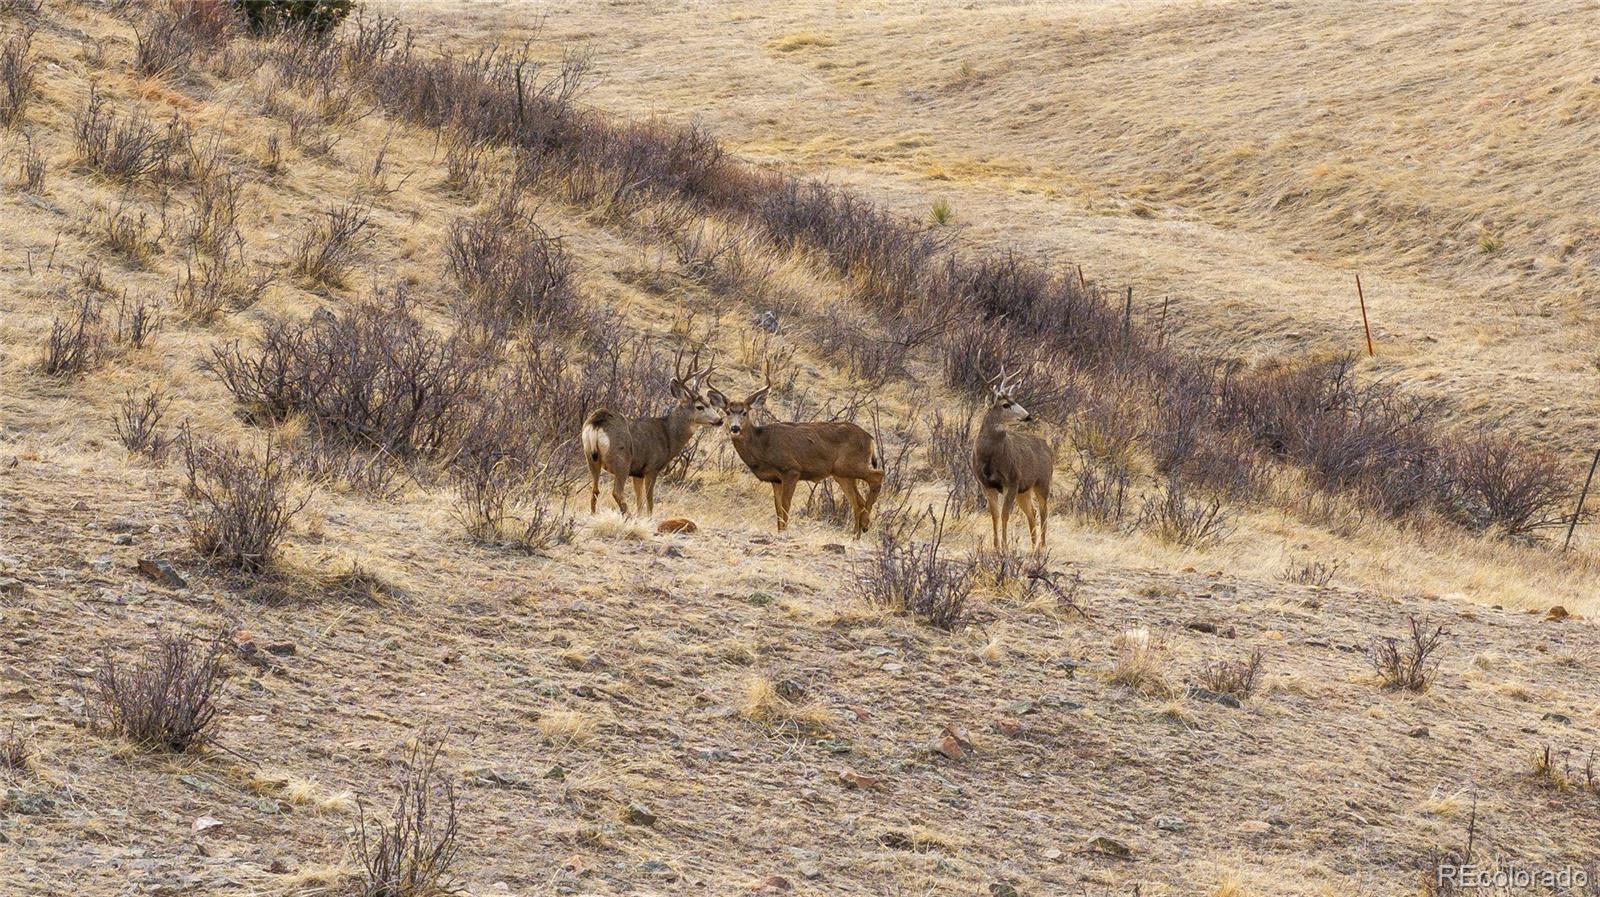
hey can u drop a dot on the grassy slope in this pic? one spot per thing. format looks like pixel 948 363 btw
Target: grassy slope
pixel 629 666
pixel 1240 159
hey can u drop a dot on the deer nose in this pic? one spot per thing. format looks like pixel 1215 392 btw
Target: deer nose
pixel 718 423
pixel 734 428
pixel 1026 418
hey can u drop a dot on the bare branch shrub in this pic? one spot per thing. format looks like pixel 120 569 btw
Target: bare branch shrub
pixel 240 505
pixel 171 35
pixel 138 423
pixel 207 287
pixel 76 344
pixel 905 574
pixel 1238 678
pixel 16 754
pixel 127 149
pixel 410 853
pixel 1499 483
pixel 513 273
pixel 137 322
pixel 1172 516
pixel 167 700
pixel 332 244
pixel 17 72
pixel 31 168
pixel 1408 662
pixel 1310 573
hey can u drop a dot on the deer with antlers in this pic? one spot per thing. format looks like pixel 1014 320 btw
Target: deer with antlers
pixel 1013 468
pixel 783 454
pixel 641 449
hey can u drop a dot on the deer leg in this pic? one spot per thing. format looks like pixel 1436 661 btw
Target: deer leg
pixel 1044 514
pixel 874 486
pixel 594 484
pixel 616 493
pixel 1025 499
pixel 650 493
pixel 638 494
pixel 992 499
pixel 777 504
pixel 853 495
pixel 1008 503
pixel 788 496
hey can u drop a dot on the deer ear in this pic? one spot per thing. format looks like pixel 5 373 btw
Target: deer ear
pixel 758 398
pixel 717 399
pixel 681 391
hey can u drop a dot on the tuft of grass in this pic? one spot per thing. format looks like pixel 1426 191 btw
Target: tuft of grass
pixel 1238 678
pixel 766 706
pixel 567 727
pixel 1139 663
pixel 942 213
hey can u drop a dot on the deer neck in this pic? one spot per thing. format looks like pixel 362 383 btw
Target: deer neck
pixel 680 426
pixel 993 426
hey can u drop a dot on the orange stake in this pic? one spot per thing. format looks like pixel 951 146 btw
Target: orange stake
pixel 1364 325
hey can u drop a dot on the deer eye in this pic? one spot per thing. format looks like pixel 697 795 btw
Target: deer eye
pixel 699 407
pixel 1006 405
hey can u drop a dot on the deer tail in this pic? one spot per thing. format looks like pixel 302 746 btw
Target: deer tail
pixel 595 441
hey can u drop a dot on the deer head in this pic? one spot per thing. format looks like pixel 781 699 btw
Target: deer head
pixel 686 388
pixel 738 413
pixel 1008 408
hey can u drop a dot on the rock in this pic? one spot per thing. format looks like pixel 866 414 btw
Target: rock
pixel 122 539
pixel 1206 694
pixel 677 525
pixel 834 745
pixel 1002 889
pixel 853 779
pixel 1021 708
pixel 12 588
pixel 639 814
pixel 1202 626
pixel 1009 726
pixel 206 824
pixel 775 884
pixel 162 572
pixel 1561 718
pixel 1108 846
pixel 810 870
pixel 1171 823
pixel 281 649
pixel 124 525
pixel 834 548
pixel 790 689
pixel 1254 826
pixel 1419 732
pixel 1557 613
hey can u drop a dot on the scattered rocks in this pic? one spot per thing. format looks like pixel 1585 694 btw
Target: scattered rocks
pixel 639 814
pixel 954 743
pixel 677 525
pixel 1107 846
pixel 122 539
pixel 160 570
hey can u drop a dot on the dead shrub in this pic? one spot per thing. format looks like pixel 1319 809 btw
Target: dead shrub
pixel 513 273
pixel 17 72
pixel 16 754
pixel 905 574
pixel 410 853
pixel 127 149
pixel 213 224
pixel 511 481
pixel 1501 484
pixel 138 423
pixel 209 286
pixel 126 231
pixel 240 505
pixel 1238 678
pixel 137 322
pixel 31 168
pixel 1310 573
pixel 165 701
pixel 331 246
pixel 1099 491
pixel 170 36
pixel 374 377
pixel 1139 663
pixel 1408 662
pixel 1172 516
pixel 77 343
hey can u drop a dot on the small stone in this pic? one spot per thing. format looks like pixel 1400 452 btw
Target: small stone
pixel 853 779
pixel 1561 718
pixel 1171 823
pixel 677 525
pixel 281 649
pixel 1206 694
pixel 206 823
pixel 1254 826
pixel 162 572
pixel 12 588
pixel 833 548
pixel 775 884
pixel 834 745
pixel 1557 613
pixel 1419 732
pixel 790 689
pixel 1002 889
pixel 950 748
pixel 639 814
pixel 122 539
pixel 810 870
pixel 1009 726
pixel 1108 846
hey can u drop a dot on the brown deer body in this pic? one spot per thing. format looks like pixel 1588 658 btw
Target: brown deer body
pixel 784 454
pixel 1013 468
pixel 640 449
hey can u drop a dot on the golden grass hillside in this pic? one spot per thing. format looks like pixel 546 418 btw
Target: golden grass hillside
pixel 618 710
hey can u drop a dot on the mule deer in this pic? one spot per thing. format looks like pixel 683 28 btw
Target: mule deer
pixel 1012 468
pixel 783 454
pixel 641 449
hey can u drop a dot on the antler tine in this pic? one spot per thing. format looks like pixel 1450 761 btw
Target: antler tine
pixel 767 370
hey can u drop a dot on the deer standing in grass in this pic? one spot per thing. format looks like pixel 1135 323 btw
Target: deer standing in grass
pixel 641 449
pixel 1013 468
pixel 784 454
